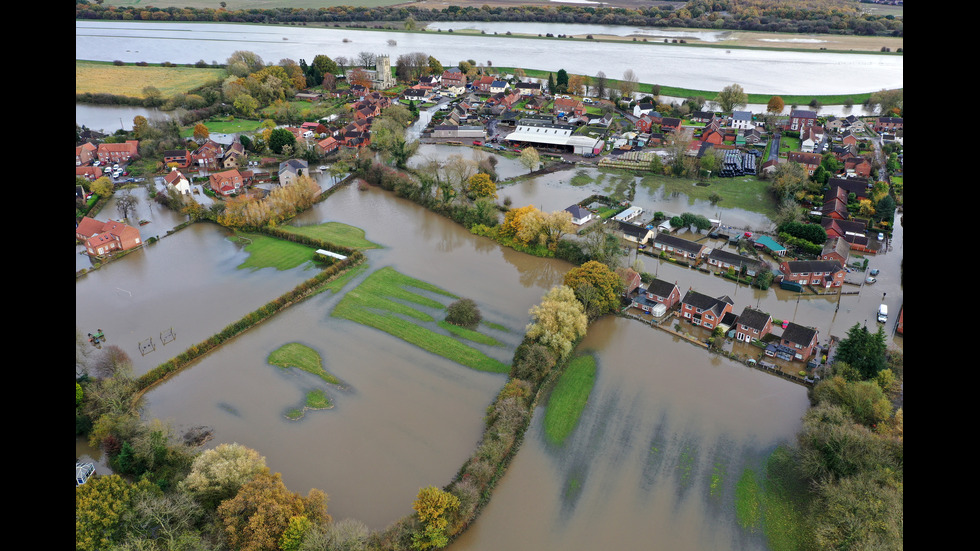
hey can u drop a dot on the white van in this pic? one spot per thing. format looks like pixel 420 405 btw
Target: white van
pixel 882 313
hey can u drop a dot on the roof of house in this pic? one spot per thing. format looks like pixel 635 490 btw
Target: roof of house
pixel 705 302
pixel 802 114
pixel 293 165
pixel 678 243
pixel 633 229
pixel 754 319
pixel 661 288
pixel 799 334
pixel 578 211
pixel 809 266
pixel 729 257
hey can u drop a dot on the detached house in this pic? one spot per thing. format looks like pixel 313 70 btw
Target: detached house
pixel 664 292
pixel 752 325
pixel 235 156
pixel 703 310
pixel 227 182
pixel 857 166
pixel 176 180
pixel 820 273
pixel 742 120
pixel 802 340
pixel 528 88
pixel 327 145
pixel 580 215
pixel 292 169
pixel 800 119
pixel 208 154
pixel 810 139
pixel 85 154
pixel 104 237
pixel 810 161
pixel 634 233
pixel 180 158
pixel 568 108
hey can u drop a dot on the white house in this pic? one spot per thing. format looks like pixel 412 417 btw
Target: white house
pixel 742 120
pixel 579 214
pixel 810 138
pixel 176 180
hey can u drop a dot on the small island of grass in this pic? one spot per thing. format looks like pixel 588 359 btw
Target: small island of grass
pixel 302 357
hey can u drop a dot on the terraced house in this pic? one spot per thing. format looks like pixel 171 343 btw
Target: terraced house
pixel 819 273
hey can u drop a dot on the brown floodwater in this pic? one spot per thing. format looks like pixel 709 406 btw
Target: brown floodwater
pixel 407 418
pixel 664 423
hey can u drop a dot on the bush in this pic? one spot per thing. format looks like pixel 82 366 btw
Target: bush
pixel 463 313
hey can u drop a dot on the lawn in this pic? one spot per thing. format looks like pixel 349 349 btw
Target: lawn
pixel 747 192
pixel 301 357
pixel 568 399
pixel 93 77
pixel 266 252
pixel 225 127
pixel 335 232
pixel 385 299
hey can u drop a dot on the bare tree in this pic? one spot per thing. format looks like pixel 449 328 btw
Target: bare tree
pixel 126 205
pixel 629 84
pixel 366 59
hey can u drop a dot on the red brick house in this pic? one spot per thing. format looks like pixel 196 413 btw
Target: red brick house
pixel 483 83
pixel 836 249
pixel 102 238
pixel 670 124
pixel 89 172
pixel 181 158
pixel 227 182
pixel 810 161
pixel 646 122
pixel 802 340
pixel 631 280
pixel 800 119
pixel 328 145
pixel 836 205
pixel 819 273
pixel 888 124
pixel 568 107
pixel 752 325
pixel 713 134
pixel 453 78
pixel 118 152
pixel 703 310
pixel 663 292
pixel 688 250
pixel 857 166
pixel 208 154
pixel 85 154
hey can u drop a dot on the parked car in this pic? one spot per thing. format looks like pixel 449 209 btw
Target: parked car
pixel 881 236
pixel 874 271
pixel 477 142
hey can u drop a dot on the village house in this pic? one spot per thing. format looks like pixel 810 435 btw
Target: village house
pixel 819 273
pixel 85 154
pixel 207 155
pixel 703 310
pixel 641 109
pixel 327 146
pixel 180 158
pixel 235 156
pixel 810 139
pixel 888 124
pixel 88 172
pixel 453 77
pixel 663 292
pixel 670 124
pixel 631 280
pixel 634 233
pixel 802 340
pixel 852 231
pixel 292 169
pixel 647 121
pixel 227 182
pixel 688 250
pixel 857 167
pixel 483 83
pixel 752 325
pixel 836 249
pixel 102 238
pixel 498 86
pixel 177 181
pixel 568 108
pixel 113 153
pixel 810 161
pixel 724 260
pixel 742 120
pixel 702 116
pixel 835 206
pixel 800 119
pixel 528 88
pixel 580 214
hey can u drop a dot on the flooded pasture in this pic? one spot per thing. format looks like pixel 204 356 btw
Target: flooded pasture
pixel 667 432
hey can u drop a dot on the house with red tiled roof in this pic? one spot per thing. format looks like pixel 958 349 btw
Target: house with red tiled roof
pixel 327 145
pixel 227 182
pixel 118 152
pixel 810 161
pixel 207 155
pixel 88 172
pixel 176 180
pixel 85 154
pixel 102 238
pixel 181 158
pixel 857 166
pixel 568 108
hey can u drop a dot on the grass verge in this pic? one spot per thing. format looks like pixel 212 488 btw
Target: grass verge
pixel 568 399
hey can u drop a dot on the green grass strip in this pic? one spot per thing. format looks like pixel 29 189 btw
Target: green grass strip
pixel 337 284
pixel 784 502
pixel 468 334
pixel 302 357
pixel 334 232
pixel 269 252
pixel 568 399
pixel 371 304
pixel 748 503
pixel 317 399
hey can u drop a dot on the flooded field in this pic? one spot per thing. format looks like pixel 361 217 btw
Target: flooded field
pixel 664 417
pixel 667 432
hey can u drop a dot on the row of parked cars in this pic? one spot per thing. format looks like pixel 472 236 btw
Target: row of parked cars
pixel 114 171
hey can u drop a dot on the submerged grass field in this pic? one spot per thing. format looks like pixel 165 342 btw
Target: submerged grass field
pixel 269 252
pixel 335 232
pixel 385 299
pixel 568 399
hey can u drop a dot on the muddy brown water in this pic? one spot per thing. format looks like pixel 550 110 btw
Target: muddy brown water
pixel 407 419
pixel 664 422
